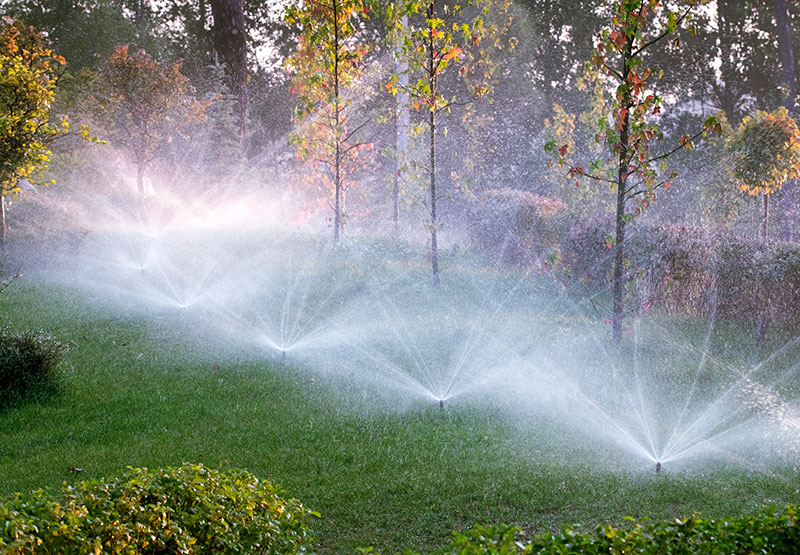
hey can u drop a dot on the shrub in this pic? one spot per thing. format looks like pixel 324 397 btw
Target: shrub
pixel 29 364
pixel 693 271
pixel 513 226
pixel 190 509
pixel 769 531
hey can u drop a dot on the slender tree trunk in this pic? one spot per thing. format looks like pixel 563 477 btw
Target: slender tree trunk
pixel 765 216
pixel 401 127
pixel 789 192
pixel 230 45
pixel 618 283
pixel 396 177
pixel 3 224
pixel 432 124
pixel 337 162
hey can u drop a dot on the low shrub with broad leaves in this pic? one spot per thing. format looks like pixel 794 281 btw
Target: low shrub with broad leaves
pixel 189 509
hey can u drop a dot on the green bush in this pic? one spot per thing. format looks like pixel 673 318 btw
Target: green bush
pixel 770 531
pixel 693 271
pixel 29 364
pixel 190 509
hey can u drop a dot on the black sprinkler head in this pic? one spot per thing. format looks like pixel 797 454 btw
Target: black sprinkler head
pixel 441 404
pixel 283 354
pixel 658 467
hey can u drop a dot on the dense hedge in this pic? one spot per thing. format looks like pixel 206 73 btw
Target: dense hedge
pixel 690 270
pixel 190 509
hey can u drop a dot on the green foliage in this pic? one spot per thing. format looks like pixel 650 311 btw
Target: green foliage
pixel 29 364
pixel 769 531
pixel 326 68
pixel 27 84
pixel 189 509
pixel 141 104
pixel 765 152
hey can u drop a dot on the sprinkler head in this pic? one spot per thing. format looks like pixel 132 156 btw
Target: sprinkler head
pixel 658 467
pixel 441 404
pixel 283 354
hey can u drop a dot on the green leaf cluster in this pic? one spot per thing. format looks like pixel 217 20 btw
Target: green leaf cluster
pixel 765 152
pixel 189 509
pixel 27 84
pixel 771 530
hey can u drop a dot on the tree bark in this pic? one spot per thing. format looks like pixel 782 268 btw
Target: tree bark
pixel 432 124
pixel 618 283
pixel 229 36
pixel 396 177
pixel 337 132
pixel 3 224
pixel 789 192
pixel 788 74
pixel 765 216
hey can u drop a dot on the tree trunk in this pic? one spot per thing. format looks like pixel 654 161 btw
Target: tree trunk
pixel 432 123
pixel 618 283
pixel 401 126
pixel 142 20
pixel 3 225
pixel 789 192
pixel 337 162
pixel 788 74
pixel 230 45
pixel 396 177
pixel 765 216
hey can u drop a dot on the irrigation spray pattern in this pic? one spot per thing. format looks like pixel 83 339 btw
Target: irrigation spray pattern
pixel 370 313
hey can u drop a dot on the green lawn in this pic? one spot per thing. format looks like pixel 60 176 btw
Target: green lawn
pixel 388 474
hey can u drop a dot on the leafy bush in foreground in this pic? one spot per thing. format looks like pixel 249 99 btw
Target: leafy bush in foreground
pixel 190 509
pixel 770 531
pixel 28 363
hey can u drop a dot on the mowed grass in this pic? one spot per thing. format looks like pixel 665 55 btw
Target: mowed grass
pixel 138 394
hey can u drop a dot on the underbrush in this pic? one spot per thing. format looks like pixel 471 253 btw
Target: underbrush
pixel 29 365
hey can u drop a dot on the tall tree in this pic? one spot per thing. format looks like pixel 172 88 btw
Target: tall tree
pixel 435 39
pixel 230 45
pixel 766 154
pixel 27 83
pixel 142 105
pixel 636 173
pixel 325 66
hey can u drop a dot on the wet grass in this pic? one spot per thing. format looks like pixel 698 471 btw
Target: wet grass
pixel 389 474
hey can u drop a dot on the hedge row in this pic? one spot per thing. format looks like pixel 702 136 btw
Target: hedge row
pixel 190 509
pixel 695 271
